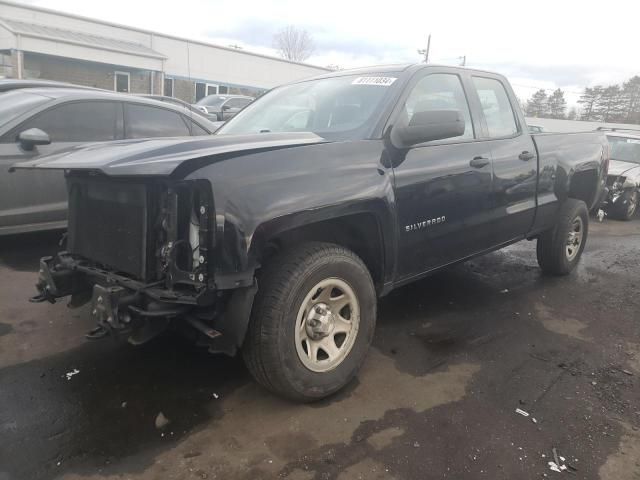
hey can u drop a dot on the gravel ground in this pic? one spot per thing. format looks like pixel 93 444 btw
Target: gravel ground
pixel 454 356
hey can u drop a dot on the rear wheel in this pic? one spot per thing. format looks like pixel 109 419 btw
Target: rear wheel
pixel 312 321
pixel 560 248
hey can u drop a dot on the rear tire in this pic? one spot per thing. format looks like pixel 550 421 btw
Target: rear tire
pixel 559 249
pixel 285 345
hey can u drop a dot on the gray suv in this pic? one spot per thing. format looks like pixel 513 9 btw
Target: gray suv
pixel 40 121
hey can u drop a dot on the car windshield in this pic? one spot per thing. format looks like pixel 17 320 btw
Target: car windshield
pixel 625 149
pixel 17 102
pixel 337 108
pixel 211 101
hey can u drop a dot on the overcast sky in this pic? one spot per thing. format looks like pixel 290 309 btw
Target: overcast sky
pixel 537 44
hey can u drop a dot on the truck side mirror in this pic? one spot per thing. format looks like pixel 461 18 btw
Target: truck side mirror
pixel 32 137
pixel 428 125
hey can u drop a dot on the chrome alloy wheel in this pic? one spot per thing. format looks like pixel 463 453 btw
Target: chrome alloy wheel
pixel 327 325
pixel 574 238
pixel 633 203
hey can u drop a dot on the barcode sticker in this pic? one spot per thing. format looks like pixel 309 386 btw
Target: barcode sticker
pixel 380 81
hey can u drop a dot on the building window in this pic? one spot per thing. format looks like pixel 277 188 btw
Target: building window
pixel 168 87
pixel 203 89
pixel 223 90
pixel 122 82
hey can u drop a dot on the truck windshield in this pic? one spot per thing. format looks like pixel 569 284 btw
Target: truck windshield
pixel 17 102
pixel 338 108
pixel 625 149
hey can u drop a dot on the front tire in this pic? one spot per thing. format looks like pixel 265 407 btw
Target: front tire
pixel 560 248
pixel 312 321
pixel 628 207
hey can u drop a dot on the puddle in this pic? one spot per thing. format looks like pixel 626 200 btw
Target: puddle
pixel 557 322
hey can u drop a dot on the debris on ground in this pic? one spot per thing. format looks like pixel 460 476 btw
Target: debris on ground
pixel 522 412
pixel 506 290
pixel 216 396
pixel 558 464
pixel 192 454
pixel 161 421
pixel 627 372
pixel 73 372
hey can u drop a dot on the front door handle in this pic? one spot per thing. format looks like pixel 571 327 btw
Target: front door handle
pixel 479 162
pixel 526 156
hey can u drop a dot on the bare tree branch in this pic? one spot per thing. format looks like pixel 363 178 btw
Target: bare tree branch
pixel 293 44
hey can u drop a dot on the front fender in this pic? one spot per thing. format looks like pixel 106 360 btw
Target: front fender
pixel 263 194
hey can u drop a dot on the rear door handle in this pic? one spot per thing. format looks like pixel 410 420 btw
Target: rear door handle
pixel 526 156
pixel 479 162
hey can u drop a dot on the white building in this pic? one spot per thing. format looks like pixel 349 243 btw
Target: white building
pixel 45 44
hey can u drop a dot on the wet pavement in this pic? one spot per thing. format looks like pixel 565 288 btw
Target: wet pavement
pixel 453 358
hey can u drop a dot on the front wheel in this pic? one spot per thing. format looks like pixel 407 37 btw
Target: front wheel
pixel 627 205
pixel 559 249
pixel 312 321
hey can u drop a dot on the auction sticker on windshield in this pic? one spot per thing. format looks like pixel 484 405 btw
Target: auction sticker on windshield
pixel 381 81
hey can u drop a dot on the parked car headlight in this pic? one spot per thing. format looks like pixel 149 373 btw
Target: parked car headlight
pixel 618 185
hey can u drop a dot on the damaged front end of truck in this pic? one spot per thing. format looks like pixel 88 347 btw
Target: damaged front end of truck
pixel 140 252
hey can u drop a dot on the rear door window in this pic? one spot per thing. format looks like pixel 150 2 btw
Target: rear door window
pixel 498 113
pixel 142 121
pixel 77 122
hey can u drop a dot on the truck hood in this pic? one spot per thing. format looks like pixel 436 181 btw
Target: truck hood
pixel 162 156
pixel 618 167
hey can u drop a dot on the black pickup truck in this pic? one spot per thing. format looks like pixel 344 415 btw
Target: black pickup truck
pixel 276 236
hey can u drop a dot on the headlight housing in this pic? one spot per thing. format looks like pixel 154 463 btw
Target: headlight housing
pixel 618 184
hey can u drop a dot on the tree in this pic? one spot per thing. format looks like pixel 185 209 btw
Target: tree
pixel 589 99
pixel 293 44
pixel 631 100
pixel 609 107
pixel 573 114
pixel 556 104
pixel 537 104
pixel 613 103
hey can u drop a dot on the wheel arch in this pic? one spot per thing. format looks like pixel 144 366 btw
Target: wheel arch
pixel 359 230
pixel 583 185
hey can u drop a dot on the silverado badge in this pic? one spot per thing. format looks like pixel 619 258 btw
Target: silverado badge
pixel 424 224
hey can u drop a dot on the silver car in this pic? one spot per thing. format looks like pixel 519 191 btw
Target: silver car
pixel 624 174
pixel 38 121
pixel 222 107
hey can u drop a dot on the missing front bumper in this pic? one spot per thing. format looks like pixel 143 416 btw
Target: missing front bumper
pixel 138 311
